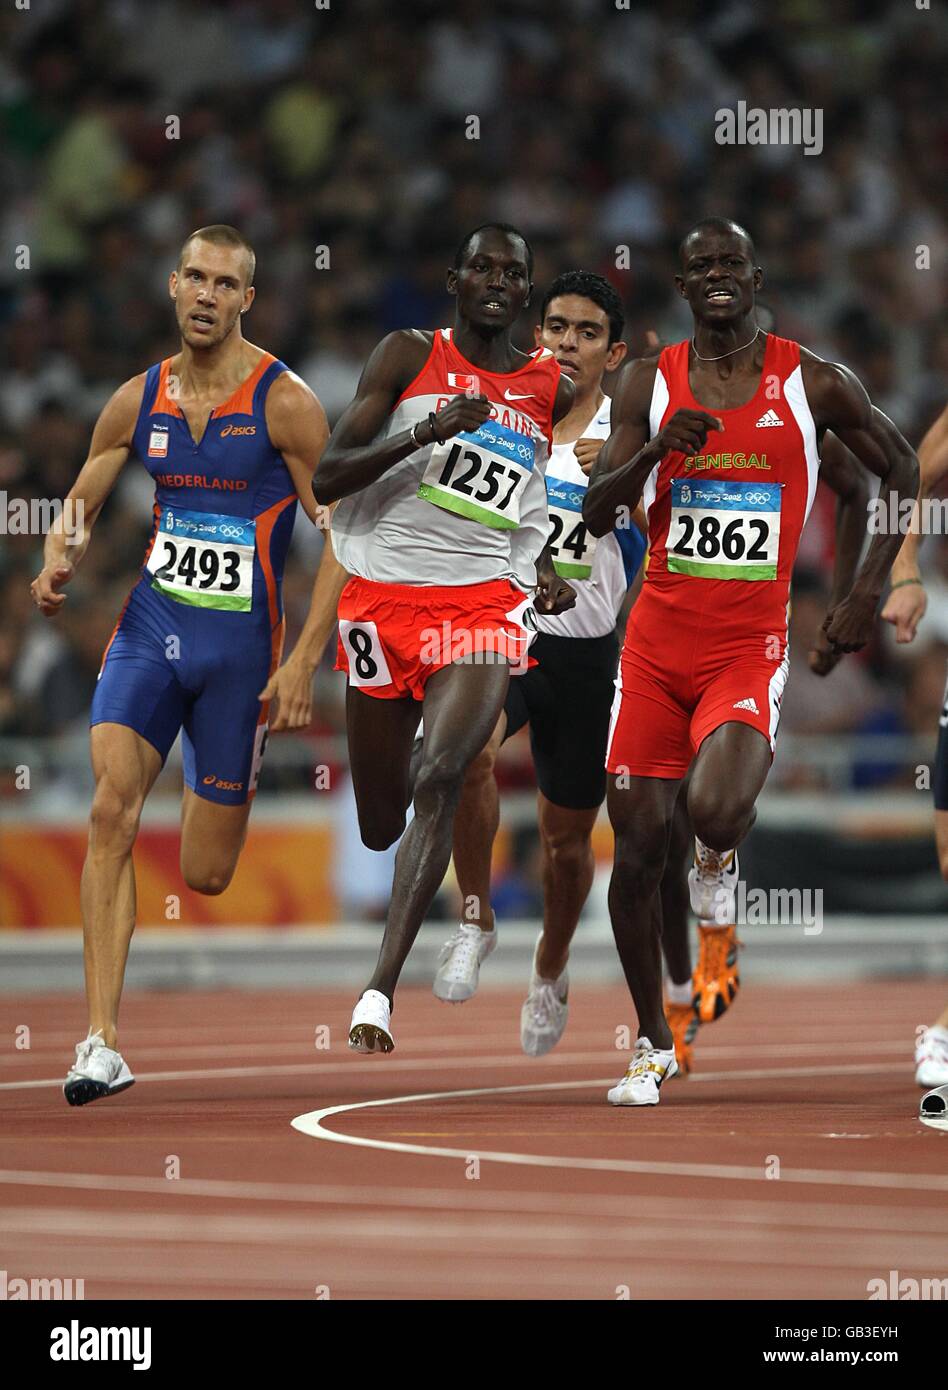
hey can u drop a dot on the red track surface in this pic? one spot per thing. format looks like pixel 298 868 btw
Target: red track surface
pixel 818 1079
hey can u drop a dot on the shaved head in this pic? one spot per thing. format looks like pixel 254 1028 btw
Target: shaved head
pixel 722 226
pixel 222 235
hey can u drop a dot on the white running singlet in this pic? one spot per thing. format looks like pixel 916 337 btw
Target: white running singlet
pixel 470 510
pixel 600 571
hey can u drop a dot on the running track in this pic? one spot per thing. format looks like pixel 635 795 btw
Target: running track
pixel 574 1199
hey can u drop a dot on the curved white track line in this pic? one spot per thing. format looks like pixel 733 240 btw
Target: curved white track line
pixel 312 1125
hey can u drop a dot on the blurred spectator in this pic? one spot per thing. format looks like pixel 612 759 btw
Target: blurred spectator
pixel 345 130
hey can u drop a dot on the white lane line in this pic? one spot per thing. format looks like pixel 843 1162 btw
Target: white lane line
pixel 312 1125
pixel 364 1065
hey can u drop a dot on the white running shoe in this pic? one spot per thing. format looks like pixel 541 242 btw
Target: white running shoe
pixel 371 1028
pixel 712 885
pixel 97 1071
pixel 931 1058
pixel 544 1013
pixel 648 1068
pixel 934 1108
pixel 460 961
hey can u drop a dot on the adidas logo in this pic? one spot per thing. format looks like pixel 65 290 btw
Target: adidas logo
pixel 768 420
pixel 750 704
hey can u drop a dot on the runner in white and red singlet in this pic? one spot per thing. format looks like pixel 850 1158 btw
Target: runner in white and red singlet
pixel 443 523
pixel 719 439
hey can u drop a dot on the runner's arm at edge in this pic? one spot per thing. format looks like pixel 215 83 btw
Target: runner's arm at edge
pixel 841 471
pixel 839 403
pixel 354 456
pixel 291 685
pixel 298 429
pixel 905 607
pixel 108 453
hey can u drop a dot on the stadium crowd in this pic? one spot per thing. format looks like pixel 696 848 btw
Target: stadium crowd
pixel 354 143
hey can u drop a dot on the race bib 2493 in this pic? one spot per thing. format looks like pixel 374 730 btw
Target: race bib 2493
pixel 204 560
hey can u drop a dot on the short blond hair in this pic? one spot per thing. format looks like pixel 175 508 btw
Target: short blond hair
pixel 221 235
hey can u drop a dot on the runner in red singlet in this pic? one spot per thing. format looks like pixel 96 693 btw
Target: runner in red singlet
pixel 719 439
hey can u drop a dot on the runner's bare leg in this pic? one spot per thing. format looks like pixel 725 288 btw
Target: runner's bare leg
pixel 475 829
pixel 381 734
pixel 641 815
pixel 461 706
pixel 676 908
pixel 728 776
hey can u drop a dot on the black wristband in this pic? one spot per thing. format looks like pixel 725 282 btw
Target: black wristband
pixel 435 436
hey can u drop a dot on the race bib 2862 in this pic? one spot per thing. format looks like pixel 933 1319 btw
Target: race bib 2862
pixel 724 530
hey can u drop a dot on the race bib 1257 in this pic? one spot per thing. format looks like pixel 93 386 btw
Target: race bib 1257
pixel 724 530
pixel 481 475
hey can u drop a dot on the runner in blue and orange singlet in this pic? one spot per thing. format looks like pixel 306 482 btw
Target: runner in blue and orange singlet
pixel 231 438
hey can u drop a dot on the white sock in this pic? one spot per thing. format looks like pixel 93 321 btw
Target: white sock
pixel 678 994
pixel 703 852
pixel 714 926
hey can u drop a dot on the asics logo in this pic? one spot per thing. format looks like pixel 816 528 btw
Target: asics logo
pixel 220 785
pixel 511 396
pixel 237 429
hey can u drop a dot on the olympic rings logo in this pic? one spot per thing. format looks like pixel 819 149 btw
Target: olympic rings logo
pixel 232 533
pixel 757 497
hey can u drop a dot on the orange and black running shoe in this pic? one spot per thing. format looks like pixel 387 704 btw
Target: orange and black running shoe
pixel 716 979
pixel 683 1021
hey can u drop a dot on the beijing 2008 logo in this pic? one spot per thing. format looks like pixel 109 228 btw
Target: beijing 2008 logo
pixel 685 495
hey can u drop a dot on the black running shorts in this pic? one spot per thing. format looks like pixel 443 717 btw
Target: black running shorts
pixel 567 699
